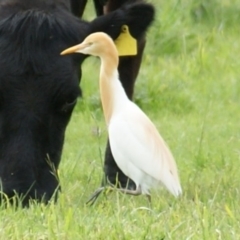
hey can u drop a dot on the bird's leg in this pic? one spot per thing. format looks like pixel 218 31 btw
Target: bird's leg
pixel 94 196
pixel 110 188
pixel 105 184
pixel 97 193
pixel 135 192
pixel 149 200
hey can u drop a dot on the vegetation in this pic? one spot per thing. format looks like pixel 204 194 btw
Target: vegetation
pixel 189 86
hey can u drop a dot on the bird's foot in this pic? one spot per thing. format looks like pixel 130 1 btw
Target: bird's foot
pixel 135 192
pixel 92 199
pixel 110 188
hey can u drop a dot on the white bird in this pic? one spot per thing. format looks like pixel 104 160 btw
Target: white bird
pixel 137 147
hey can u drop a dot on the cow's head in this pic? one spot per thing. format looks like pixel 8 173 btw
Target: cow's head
pixel 39 89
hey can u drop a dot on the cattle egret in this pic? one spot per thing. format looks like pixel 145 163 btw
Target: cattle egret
pixel 137 147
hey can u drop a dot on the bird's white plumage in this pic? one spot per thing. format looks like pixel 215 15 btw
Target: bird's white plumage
pixel 138 149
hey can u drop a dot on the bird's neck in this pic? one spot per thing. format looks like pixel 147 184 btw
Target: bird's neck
pixel 112 93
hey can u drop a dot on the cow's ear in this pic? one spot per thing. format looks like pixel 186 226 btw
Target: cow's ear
pixel 138 18
pixel 130 15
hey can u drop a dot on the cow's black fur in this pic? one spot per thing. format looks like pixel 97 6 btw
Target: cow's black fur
pixel 39 88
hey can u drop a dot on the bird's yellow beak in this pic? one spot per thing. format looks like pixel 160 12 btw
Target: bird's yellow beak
pixel 76 48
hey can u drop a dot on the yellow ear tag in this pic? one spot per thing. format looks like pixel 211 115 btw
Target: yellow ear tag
pixel 125 43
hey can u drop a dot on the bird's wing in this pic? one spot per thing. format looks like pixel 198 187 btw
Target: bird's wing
pixel 135 138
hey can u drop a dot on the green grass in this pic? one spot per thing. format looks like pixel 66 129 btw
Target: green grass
pixel 189 86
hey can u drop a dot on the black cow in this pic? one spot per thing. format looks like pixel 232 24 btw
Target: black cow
pixel 39 88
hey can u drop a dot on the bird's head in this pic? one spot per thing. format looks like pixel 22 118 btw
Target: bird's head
pixel 95 44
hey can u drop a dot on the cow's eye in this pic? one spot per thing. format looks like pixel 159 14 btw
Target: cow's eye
pixel 68 106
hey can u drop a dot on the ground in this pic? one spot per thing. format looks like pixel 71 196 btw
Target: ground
pixel 189 86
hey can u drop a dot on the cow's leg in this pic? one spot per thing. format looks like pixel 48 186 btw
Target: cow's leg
pixel 98 4
pixel 78 7
pixel 128 71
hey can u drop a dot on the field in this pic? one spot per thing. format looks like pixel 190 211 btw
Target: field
pixel 189 85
